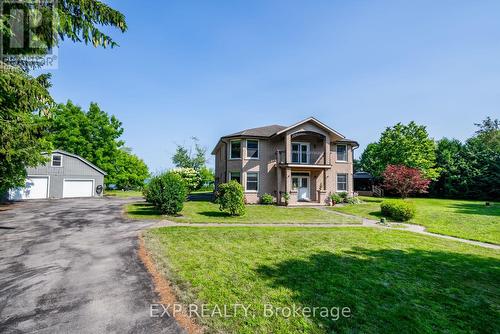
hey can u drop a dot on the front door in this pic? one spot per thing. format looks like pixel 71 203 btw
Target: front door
pixel 301 183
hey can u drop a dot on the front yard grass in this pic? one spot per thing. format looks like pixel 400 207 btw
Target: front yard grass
pixel 459 218
pixel 123 193
pixel 208 212
pixel 391 280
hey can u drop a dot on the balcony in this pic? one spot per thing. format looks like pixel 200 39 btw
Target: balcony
pixel 302 158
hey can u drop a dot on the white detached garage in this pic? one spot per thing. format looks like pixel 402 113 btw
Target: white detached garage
pixel 66 175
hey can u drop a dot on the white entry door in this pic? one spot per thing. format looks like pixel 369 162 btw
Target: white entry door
pixel 36 187
pixel 78 188
pixel 301 183
pixel 304 188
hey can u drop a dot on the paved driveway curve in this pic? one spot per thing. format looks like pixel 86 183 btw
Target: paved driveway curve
pixel 70 266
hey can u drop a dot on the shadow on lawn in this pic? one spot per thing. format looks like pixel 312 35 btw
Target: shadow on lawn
pixel 477 208
pixel 391 291
pixel 216 214
pixel 144 209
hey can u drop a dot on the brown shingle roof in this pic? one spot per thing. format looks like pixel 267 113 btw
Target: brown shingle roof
pixel 263 131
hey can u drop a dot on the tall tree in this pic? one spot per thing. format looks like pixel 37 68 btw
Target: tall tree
pixel 184 157
pixel 479 164
pixel 129 171
pixel 95 136
pixel 447 160
pixel 401 144
pixel 24 105
pixel 23 99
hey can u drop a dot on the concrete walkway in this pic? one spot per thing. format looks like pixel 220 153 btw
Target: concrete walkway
pixel 365 223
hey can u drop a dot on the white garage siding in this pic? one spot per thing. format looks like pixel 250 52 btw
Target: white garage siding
pixel 78 188
pixel 36 187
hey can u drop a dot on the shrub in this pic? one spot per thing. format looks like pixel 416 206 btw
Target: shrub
pixel 231 199
pixel 266 199
pixel 167 192
pixel 354 200
pixel 404 180
pixel 335 198
pixel 343 196
pixel 400 210
pixel 286 197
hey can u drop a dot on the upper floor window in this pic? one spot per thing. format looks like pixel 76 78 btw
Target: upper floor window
pixel 235 149
pixel 252 149
pixel 56 160
pixel 300 153
pixel 341 152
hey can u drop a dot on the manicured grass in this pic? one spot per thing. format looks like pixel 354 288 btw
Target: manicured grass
pixel 392 281
pixel 121 193
pixel 208 212
pixel 465 219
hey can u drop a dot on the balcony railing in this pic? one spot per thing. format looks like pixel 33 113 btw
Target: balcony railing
pixel 302 157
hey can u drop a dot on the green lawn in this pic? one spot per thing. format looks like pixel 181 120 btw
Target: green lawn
pixel 465 219
pixel 392 281
pixel 121 193
pixel 208 212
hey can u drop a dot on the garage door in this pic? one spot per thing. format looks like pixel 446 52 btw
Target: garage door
pixel 35 188
pixel 78 188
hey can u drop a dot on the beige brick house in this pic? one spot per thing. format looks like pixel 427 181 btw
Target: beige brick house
pixel 308 160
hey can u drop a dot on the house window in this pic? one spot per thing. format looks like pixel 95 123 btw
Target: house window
pixel 252 181
pixel 300 153
pixel 341 152
pixel 56 160
pixel 235 176
pixel 235 148
pixel 252 149
pixel 341 182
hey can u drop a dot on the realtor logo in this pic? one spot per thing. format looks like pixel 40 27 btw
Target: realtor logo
pixel 28 33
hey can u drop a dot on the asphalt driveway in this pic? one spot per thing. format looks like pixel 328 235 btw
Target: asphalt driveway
pixel 70 266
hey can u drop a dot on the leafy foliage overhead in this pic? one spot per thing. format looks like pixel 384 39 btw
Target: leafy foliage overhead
pixel 24 106
pixel 78 20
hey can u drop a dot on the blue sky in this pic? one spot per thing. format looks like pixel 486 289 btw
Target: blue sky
pixel 209 68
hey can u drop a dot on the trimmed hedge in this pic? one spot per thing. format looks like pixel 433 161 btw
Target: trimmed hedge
pixel 399 210
pixel 167 192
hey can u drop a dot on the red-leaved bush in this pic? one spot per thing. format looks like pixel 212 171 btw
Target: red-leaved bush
pixel 404 180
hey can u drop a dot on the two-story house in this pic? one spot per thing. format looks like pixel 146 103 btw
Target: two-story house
pixel 308 160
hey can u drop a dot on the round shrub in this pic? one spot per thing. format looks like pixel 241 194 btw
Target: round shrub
pixel 266 199
pixel 399 210
pixel 231 199
pixel 343 196
pixel 354 200
pixel 335 198
pixel 167 192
